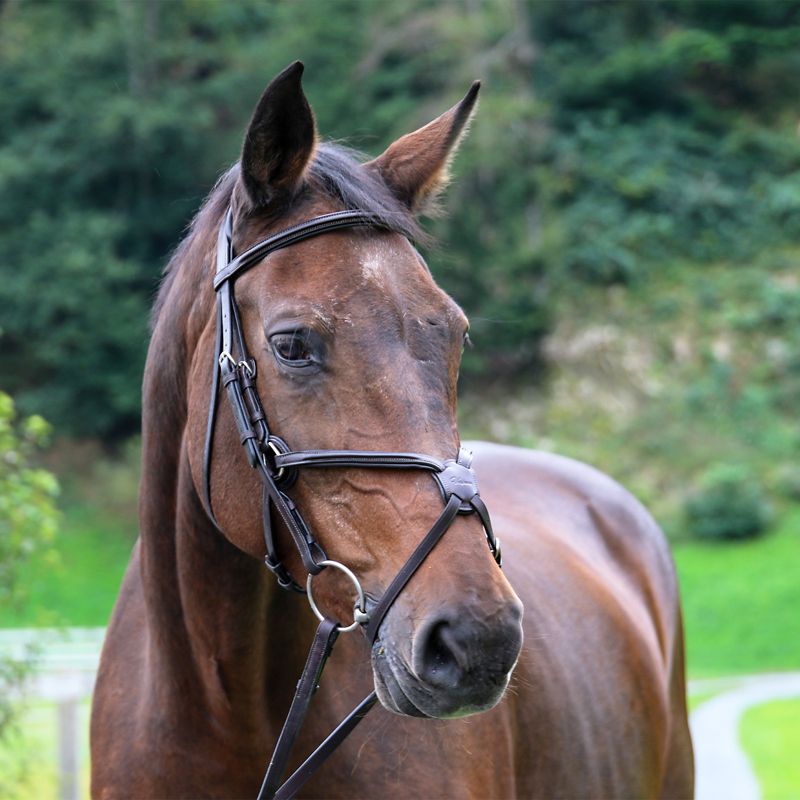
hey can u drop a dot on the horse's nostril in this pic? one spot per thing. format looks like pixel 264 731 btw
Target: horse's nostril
pixel 440 656
pixel 456 651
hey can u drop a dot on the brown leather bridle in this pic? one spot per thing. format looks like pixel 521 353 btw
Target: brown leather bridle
pixel 277 466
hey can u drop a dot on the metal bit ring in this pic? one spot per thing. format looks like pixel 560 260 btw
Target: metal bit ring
pixel 360 616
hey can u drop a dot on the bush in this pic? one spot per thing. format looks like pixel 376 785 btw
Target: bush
pixel 28 519
pixel 730 504
pixel 787 482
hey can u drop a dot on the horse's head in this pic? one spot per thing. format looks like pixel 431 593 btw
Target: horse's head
pixel 357 348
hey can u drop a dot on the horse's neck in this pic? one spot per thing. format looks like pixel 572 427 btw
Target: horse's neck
pixel 219 629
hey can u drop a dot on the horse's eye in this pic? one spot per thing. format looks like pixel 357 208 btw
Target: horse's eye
pixel 293 349
pixel 467 341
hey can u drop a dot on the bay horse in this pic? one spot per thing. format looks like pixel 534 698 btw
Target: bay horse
pixel 354 346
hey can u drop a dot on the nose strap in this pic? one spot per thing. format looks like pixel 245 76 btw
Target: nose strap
pixel 455 478
pixel 411 566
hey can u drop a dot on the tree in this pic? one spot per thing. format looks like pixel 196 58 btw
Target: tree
pixel 612 139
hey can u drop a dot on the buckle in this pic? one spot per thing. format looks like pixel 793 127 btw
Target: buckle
pixel 285 580
pixel 248 366
pixel 275 446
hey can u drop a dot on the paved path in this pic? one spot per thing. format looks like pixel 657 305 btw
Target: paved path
pixel 723 770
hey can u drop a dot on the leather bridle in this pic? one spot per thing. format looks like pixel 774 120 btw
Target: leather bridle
pixel 277 465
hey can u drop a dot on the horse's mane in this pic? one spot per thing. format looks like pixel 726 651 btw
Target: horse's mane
pixel 335 171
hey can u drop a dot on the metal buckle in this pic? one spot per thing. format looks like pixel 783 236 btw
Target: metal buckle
pixel 497 552
pixel 226 356
pixel 272 446
pixel 360 615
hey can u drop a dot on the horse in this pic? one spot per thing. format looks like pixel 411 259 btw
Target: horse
pixel 355 346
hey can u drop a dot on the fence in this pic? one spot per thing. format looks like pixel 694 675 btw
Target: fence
pixel 64 664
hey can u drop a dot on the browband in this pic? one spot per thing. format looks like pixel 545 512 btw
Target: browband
pixel 287 237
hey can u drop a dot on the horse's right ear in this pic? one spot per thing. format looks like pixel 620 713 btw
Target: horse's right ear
pixel 279 140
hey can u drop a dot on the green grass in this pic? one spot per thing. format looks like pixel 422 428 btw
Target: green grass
pixel 76 581
pixel 740 602
pixel 770 735
pixel 696 699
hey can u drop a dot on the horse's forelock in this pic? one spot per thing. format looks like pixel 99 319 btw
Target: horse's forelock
pixel 336 171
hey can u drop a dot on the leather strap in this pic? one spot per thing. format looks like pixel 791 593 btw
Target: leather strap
pixel 212 419
pixel 321 647
pixel 357 458
pixel 304 772
pixel 411 566
pixel 297 233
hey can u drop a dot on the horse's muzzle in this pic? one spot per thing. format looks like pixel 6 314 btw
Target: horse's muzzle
pixel 458 664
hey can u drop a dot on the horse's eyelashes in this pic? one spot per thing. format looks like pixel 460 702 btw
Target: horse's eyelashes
pixel 295 348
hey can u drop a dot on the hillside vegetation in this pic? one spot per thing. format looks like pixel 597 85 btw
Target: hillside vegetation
pixel 614 141
pixel 660 384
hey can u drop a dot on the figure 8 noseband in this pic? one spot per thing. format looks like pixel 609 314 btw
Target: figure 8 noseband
pixel 277 465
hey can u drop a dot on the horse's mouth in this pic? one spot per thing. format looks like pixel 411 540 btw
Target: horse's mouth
pixel 402 692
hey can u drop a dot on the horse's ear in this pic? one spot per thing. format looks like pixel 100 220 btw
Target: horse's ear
pixel 279 140
pixel 416 166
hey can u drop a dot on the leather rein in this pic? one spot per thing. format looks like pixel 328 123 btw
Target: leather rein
pixel 277 465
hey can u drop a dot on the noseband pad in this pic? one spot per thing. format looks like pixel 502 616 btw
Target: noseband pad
pixel 457 478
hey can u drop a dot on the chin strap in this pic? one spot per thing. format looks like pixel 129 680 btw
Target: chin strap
pixel 321 648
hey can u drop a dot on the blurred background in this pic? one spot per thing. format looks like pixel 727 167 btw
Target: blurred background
pixel 623 231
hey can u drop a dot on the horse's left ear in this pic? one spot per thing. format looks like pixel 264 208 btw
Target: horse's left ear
pixel 416 166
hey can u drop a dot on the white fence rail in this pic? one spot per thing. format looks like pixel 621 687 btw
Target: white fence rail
pixel 64 664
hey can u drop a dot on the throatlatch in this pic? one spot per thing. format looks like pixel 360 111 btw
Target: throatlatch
pixel 278 465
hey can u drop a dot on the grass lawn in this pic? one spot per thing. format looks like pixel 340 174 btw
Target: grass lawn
pixel 741 602
pixel 76 581
pixel 770 734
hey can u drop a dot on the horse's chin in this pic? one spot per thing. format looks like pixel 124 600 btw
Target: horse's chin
pixel 401 692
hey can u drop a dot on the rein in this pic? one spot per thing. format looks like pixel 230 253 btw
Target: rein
pixel 277 465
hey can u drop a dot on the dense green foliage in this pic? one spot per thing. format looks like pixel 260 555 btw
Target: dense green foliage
pixel 612 138
pixel 28 515
pixel 75 581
